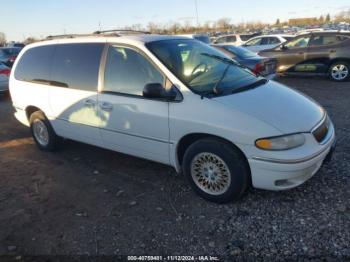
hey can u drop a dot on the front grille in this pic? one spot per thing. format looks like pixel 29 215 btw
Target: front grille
pixel 321 131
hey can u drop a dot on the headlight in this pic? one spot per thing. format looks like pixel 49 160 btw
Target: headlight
pixel 281 142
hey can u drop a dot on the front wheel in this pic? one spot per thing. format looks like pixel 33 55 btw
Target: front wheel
pixel 216 170
pixel 339 71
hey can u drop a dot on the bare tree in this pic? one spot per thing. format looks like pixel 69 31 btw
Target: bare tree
pixel 224 23
pixel 30 40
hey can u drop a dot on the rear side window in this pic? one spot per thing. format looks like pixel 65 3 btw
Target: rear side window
pixel 254 42
pixel 77 66
pixel 34 65
pixel 231 38
pixel 272 41
pixel 245 37
pixel 326 40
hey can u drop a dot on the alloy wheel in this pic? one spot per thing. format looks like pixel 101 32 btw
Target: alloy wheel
pixel 210 173
pixel 339 72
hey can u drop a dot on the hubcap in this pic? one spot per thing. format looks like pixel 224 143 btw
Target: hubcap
pixel 340 72
pixel 210 173
pixel 40 132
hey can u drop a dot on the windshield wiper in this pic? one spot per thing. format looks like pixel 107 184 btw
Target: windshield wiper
pixel 215 90
pixel 253 85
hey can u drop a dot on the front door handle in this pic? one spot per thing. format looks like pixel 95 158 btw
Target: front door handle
pixel 332 51
pixel 106 107
pixel 90 103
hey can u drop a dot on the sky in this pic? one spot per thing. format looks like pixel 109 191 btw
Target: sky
pixel 23 18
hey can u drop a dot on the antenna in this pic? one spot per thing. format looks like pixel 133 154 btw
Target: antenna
pixel 196 6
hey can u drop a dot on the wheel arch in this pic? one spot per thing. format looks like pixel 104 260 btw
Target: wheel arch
pixel 189 139
pixel 30 110
pixel 338 59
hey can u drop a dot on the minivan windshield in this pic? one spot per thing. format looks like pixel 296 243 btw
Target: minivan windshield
pixel 202 68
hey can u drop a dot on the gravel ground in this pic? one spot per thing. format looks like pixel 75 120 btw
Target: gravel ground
pixel 85 200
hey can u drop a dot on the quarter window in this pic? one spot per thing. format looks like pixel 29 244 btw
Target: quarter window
pixel 128 71
pixel 77 66
pixel 35 64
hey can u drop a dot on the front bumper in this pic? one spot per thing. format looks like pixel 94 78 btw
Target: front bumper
pixel 273 174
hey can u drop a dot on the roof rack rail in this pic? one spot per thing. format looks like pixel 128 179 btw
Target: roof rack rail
pixel 119 32
pixel 51 37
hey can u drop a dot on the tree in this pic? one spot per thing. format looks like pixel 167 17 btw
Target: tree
pixel 328 18
pixel 2 39
pixel 224 23
pixel 278 22
pixel 321 19
pixel 30 40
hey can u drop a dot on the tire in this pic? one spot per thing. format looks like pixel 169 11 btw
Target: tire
pixel 339 71
pixel 216 161
pixel 42 132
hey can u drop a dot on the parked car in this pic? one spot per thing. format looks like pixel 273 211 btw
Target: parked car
pixel 233 39
pixel 18 45
pixel 4 78
pixel 264 42
pixel 8 55
pixel 259 65
pixel 200 37
pixel 317 53
pixel 176 101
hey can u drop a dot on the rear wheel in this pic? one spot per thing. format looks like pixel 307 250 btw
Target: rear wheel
pixel 42 132
pixel 216 170
pixel 339 71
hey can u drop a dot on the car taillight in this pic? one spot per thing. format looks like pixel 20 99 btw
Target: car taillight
pixel 258 69
pixel 6 72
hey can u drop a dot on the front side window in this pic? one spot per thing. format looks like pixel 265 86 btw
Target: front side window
pixel 204 67
pixel 299 42
pixel 77 66
pixel 128 71
pixel 35 64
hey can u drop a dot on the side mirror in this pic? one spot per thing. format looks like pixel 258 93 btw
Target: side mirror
pixel 157 91
pixel 283 47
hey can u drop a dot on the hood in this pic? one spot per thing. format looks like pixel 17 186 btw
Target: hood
pixel 277 105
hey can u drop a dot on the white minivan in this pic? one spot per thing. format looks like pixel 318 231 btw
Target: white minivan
pixel 176 101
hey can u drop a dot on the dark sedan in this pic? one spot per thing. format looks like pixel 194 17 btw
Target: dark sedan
pixel 8 55
pixel 258 64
